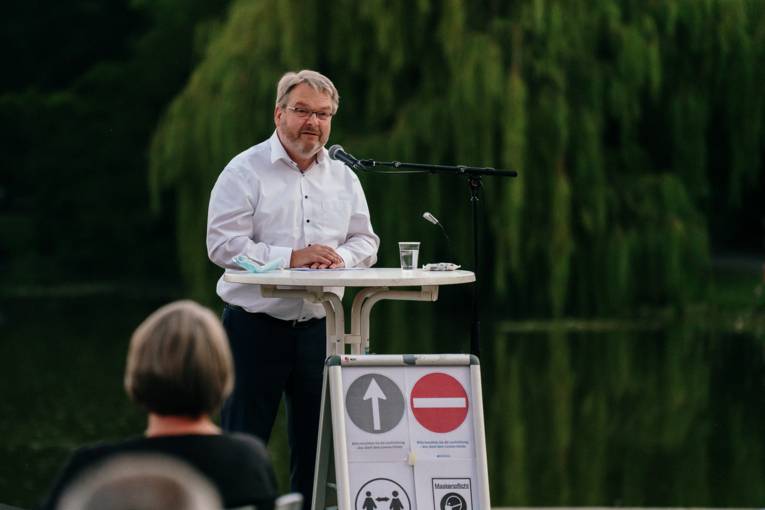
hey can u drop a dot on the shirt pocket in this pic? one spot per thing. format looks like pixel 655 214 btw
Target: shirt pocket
pixel 336 216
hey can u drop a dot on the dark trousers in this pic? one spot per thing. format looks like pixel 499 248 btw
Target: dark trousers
pixel 272 357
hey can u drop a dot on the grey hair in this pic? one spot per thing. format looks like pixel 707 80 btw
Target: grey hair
pixel 140 482
pixel 316 81
pixel 179 361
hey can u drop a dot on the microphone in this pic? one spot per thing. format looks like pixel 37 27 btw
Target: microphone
pixel 435 221
pixel 337 152
pixel 432 219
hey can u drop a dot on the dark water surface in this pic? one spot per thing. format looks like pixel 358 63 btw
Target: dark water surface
pixel 632 415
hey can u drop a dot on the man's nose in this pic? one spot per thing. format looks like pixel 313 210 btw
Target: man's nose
pixel 311 121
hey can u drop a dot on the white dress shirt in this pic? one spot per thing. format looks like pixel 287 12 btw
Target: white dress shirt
pixel 263 207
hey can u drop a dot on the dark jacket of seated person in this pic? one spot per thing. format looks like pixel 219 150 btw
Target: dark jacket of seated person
pixel 179 368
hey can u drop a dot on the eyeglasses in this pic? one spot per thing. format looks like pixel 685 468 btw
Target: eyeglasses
pixel 304 113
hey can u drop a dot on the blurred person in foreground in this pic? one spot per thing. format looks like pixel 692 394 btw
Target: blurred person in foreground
pixel 179 369
pixel 140 482
pixel 286 199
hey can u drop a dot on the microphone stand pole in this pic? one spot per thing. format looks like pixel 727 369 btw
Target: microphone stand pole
pixel 473 175
pixel 474 184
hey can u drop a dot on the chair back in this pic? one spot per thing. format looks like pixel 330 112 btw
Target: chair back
pixel 291 501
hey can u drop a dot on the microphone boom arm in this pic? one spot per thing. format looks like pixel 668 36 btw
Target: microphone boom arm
pixel 473 174
pixel 438 169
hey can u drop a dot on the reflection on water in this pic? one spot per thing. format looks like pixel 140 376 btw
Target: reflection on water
pixel 670 416
pixel 673 417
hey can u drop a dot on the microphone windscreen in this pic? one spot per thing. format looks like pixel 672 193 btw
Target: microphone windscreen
pixel 334 149
pixel 430 218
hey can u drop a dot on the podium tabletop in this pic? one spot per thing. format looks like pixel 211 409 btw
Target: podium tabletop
pixel 373 277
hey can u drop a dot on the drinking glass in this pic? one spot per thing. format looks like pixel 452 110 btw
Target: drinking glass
pixel 408 252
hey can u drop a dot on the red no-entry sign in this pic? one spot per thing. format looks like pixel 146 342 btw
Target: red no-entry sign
pixel 439 402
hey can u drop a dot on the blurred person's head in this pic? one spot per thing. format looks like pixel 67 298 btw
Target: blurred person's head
pixel 141 482
pixel 179 362
pixel 305 104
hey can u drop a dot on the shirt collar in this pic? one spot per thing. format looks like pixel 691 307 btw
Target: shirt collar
pixel 278 152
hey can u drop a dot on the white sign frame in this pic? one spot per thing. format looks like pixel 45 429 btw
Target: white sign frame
pixel 333 461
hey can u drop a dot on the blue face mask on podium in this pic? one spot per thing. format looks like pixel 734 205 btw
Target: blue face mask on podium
pixel 250 265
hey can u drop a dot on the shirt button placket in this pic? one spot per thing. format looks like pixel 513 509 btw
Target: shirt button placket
pixel 306 214
pixel 307 210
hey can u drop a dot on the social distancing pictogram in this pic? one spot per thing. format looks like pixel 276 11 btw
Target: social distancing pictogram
pixel 382 493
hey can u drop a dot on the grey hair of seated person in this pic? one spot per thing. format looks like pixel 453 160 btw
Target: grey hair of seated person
pixel 179 362
pixel 141 482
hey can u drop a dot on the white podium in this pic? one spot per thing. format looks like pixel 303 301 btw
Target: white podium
pixel 376 285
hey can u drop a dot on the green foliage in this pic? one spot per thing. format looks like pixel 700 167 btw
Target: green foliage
pixel 77 114
pixel 610 110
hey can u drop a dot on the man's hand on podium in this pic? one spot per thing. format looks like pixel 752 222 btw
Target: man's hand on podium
pixel 316 256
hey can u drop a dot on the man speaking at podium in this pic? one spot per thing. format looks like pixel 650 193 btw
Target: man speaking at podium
pixel 286 199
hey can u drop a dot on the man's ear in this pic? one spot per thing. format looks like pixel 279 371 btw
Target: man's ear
pixel 278 112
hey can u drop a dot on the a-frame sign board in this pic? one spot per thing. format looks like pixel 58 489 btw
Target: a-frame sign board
pixel 401 432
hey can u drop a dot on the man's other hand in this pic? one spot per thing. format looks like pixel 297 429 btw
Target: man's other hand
pixel 317 256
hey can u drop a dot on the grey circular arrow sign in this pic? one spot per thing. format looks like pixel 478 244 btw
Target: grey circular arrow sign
pixel 374 403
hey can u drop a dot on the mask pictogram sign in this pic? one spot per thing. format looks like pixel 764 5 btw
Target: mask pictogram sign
pixel 452 493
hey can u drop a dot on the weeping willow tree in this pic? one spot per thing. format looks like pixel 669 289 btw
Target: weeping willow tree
pixel 621 117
